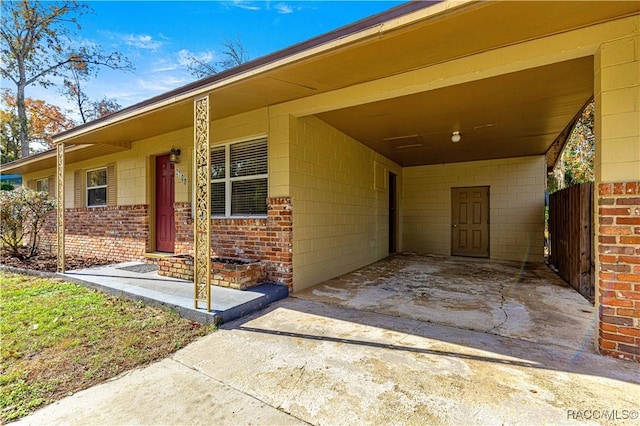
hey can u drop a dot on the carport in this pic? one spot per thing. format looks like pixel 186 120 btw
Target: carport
pixel 521 301
pixel 475 127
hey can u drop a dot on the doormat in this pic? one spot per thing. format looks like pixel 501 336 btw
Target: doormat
pixel 142 268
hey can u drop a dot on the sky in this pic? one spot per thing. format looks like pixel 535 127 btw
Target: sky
pixel 156 36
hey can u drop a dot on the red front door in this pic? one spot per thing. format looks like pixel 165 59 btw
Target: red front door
pixel 165 222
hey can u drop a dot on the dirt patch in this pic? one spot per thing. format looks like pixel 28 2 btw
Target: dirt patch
pixel 48 262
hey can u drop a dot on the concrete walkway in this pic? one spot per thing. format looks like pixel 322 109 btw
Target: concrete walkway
pixel 140 281
pixel 305 361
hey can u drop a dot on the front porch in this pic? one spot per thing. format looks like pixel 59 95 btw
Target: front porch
pixel 141 281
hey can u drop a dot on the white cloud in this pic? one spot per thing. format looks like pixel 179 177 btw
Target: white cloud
pixel 184 56
pixel 142 41
pixel 248 5
pixel 284 8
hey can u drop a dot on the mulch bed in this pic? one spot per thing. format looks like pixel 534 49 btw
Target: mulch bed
pixel 47 262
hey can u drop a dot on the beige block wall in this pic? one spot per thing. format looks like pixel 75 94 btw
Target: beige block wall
pixel 134 167
pixel 617 109
pixel 516 205
pixel 340 202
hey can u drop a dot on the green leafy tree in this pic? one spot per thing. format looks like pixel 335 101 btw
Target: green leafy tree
pixel 37 44
pixel 22 215
pixel 579 153
pixel 576 163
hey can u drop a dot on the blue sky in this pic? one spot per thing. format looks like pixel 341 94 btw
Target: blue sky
pixel 157 35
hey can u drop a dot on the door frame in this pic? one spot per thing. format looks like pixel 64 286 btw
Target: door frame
pixel 393 213
pixel 153 206
pixel 488 222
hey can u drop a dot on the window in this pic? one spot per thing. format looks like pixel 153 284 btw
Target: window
pixel 239 182
pixel 97 187
pixel 42 185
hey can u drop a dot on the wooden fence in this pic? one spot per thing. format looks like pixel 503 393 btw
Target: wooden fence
pixel 571 237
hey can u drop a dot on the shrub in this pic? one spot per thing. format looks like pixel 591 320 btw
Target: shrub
pixel 22 214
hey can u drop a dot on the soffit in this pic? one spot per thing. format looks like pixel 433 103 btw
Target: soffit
pixel 48 159
pixel 511 115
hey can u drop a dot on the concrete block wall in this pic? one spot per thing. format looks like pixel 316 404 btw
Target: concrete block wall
pixel 516 205
pixel 341 202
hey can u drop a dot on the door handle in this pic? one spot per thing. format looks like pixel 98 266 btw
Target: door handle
pixel 455 225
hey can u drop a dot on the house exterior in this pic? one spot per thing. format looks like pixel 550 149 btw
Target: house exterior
pixel 429 128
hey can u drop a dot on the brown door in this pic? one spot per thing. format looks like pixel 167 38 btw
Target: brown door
pixel 392 213
pixel 165 222
pixel 470 221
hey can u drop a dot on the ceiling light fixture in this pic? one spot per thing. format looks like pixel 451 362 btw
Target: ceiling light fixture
pixel 455 137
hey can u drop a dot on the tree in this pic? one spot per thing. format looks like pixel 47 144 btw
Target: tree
pixel 234 54
pixel 579 153
pixel 43 121
pixel 87 109
pixel 36 45
pixel 575 164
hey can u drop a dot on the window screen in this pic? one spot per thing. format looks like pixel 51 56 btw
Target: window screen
pixel 239 183
pixel 249 158
pixel 249 197
pixel 97 187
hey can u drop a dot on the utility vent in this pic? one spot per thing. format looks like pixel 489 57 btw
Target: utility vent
pixel 402 143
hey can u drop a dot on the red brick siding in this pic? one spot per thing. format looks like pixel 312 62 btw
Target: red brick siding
pixel 268 239
pixel 116 233
pixel 619 278
pixel 122 234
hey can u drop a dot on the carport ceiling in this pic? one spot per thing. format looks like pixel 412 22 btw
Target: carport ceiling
pixel 511 115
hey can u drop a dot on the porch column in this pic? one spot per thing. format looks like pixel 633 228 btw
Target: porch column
pixel 617 219
pixel 60 207
pixel 202 200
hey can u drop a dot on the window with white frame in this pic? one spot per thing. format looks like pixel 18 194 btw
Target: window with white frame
pixel 97 187
pixel 42 185
pixel 239 179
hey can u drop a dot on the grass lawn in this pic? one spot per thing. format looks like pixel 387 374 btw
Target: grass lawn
pixel 58 338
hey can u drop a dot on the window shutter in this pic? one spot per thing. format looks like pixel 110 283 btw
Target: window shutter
pixel 77 189
pixel 53 190
pixel 31 184
pixel 111 185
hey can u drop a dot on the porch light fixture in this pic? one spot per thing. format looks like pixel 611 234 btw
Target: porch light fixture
pixel 174 156
pixel 455 137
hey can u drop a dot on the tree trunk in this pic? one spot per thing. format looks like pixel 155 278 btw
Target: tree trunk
pixel 22 119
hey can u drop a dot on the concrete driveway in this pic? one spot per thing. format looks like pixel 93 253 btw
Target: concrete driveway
pixel 303 361
pixel 510 299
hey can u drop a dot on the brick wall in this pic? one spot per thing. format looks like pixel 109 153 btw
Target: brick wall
pixel 116 233
pixel 268 239
pixel 619 278
pixel 121 234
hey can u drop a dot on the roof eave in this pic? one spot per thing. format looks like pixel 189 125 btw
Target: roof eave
pixel 392 19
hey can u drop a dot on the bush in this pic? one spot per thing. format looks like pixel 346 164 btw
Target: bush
pixel 22 214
